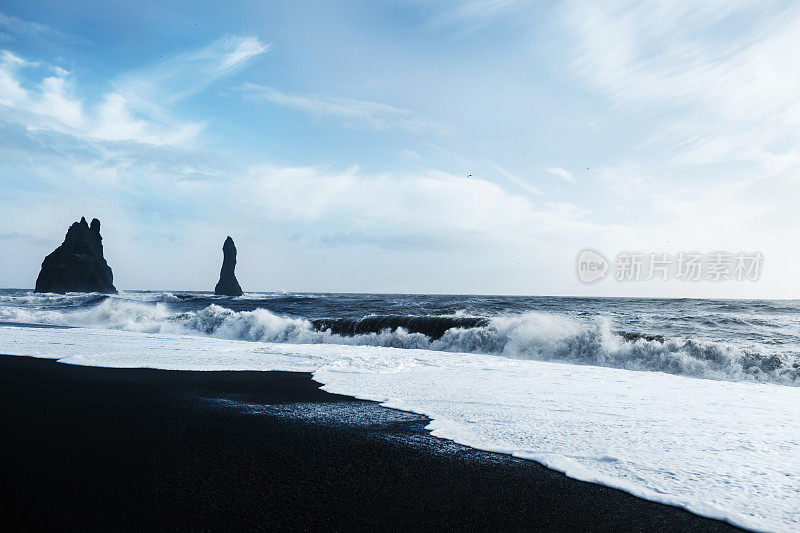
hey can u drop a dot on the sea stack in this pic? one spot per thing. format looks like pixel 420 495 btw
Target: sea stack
pixel 227 284
pixel 78 264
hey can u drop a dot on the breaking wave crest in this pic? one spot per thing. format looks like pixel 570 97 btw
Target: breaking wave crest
pixel 434 327
pixel 531 335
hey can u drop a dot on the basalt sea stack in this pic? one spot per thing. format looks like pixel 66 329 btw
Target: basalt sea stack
pixel 78 264
pixel 227 284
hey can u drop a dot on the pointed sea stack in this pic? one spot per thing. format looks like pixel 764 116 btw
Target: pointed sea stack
pixel 227 284
pixel 78 264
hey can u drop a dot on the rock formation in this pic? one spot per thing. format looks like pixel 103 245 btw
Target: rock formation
pixel 227 284
pixel 78 264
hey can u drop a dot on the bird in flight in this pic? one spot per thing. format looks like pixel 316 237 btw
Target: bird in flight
pixel 469 175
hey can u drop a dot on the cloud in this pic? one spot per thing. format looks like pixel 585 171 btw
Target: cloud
pixel 709 91
pixel 517 180
pixel 50 103
pixel 566 175
pixel 19 26
pixel 696 215
pixel 56 100
pixel 355 113
pixel 229 53
pixel 11 91
pixel 117 121
pixel 23 237
pixel 471 15
pixel 135 110
pixel 189 72
pixel 714 79
pixel 440 204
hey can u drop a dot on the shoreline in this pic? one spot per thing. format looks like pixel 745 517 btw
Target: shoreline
pixel 96 447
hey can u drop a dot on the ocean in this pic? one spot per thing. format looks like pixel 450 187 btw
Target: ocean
pixel 694 403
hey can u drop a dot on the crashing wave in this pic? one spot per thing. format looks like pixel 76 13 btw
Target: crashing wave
pixel 532 335
pixel 433 327
pixel 70 299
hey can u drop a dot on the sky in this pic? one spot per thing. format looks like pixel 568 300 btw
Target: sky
pixel 403 146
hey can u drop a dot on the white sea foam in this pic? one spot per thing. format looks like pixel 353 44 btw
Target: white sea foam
pixel 728 450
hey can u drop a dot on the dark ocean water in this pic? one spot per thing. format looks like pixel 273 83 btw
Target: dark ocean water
pixel 722 339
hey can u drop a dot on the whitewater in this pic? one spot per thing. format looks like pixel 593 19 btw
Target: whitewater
pixel 689 403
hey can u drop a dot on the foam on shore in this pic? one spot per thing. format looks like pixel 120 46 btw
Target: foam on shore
pixel 726 450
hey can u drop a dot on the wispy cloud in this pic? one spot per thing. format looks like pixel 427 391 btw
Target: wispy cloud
pixel 17 26
pixel 137 109
pixel 23 237
pixel 516 180
pixel 564 174
pixel 11 91
pixel 189 72
pixel 354 113
pixel 472 15
pixel 716 77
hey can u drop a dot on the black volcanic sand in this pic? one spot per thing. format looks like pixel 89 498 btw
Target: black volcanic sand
pixel 98 448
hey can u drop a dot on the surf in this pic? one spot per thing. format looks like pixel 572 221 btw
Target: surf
pixel 531 335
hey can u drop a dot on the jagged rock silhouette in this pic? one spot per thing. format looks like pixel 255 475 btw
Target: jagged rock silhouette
pixel 78 264
pixel 227 284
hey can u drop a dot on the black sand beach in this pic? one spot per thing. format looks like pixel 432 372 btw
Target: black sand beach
pixel 97 448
